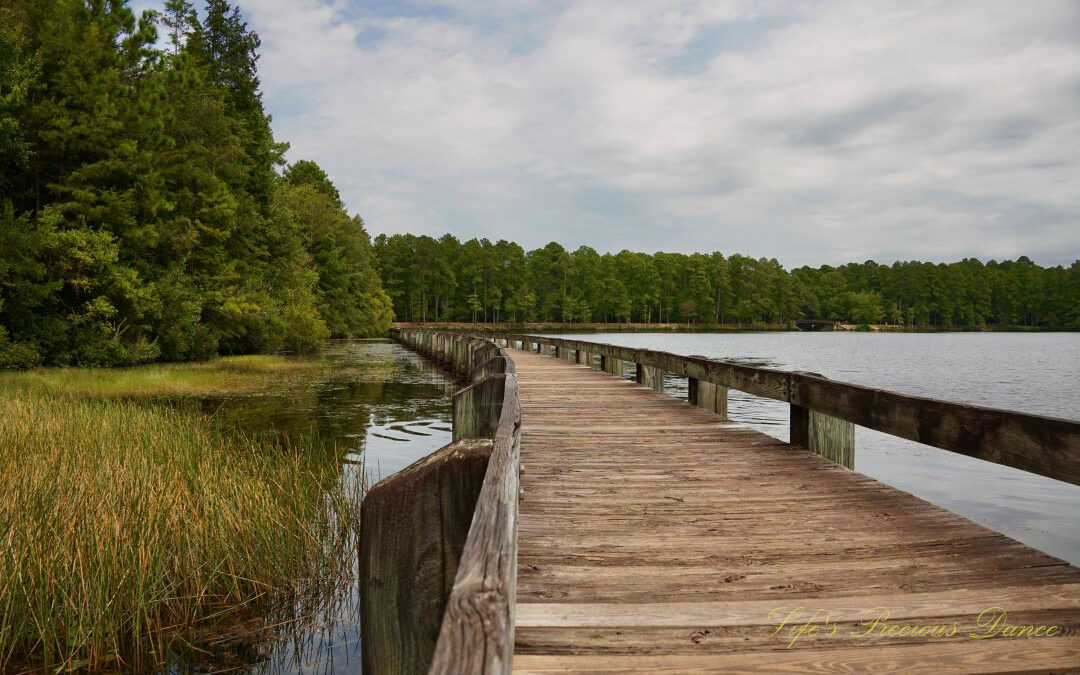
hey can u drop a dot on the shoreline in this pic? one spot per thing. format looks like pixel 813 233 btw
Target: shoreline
pixel 557 328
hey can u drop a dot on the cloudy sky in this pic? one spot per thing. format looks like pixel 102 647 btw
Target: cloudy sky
pixel 814 132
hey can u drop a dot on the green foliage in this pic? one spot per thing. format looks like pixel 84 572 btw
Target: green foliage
pixel 306 172
pixel 140 209
pixel 444 279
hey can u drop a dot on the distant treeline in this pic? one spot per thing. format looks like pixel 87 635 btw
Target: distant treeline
pixel 448 280
pixel 142 214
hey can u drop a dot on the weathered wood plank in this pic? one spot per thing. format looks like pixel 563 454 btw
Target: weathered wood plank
pixel 1052 655
pixel 650 376
pixel 708 396
pixel 476 409
pixel 1042 445
pixel 756 612
pixel 414 525
pixel 477 632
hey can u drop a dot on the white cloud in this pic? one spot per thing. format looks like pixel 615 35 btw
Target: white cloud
pixel 812 132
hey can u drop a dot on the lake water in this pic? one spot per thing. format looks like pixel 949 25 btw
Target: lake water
pixel 383 407
pixel 1029 372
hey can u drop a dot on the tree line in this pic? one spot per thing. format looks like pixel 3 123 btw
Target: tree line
pixel 445 279
pixel 144 212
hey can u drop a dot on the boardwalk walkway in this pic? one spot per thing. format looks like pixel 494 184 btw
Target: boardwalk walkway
pixel 655 537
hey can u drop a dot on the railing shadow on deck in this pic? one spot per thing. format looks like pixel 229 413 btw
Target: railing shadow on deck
pixel 467 626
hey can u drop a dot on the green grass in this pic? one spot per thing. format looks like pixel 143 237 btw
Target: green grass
pixel 124 527
pixel 225 375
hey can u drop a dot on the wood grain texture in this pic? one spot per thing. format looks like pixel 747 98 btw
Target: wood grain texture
pixel 656 537
pixel 1058 655
pixel 477 632
pixel 414 528
pixel 651 377
pixel 476 409
pixel 708 396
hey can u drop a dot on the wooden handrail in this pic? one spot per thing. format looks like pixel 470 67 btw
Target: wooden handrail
pixel 477 631
pixel 477 634
pixel 1048 446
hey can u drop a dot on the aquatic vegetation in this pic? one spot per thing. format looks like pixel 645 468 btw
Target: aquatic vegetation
pixel 125 527
pixel 225 375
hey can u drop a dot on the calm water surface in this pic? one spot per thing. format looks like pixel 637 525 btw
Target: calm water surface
pixel 1030 372
pixel 384 407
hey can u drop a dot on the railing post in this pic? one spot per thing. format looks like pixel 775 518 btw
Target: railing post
pixel 611 365
pixel 476 408
pixel 415 524
pixel 650 376
pixel 582 357
pixel 707 395
pixel 821 434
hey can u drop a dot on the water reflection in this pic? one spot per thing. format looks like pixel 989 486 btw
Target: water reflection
pixel 377 401
pixel 383 407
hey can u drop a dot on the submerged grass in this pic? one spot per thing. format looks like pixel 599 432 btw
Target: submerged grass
pixel 225 375
pixel 124 526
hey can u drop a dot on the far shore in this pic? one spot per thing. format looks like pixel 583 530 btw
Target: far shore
pixel 595 327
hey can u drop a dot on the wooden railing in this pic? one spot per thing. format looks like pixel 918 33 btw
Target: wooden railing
pixel 477 630
pixel 823 410
pixel 476 633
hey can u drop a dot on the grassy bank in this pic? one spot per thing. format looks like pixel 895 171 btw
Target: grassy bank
pixel 225 375
pixel 126 525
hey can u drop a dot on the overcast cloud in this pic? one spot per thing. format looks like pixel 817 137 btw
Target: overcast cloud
pixel 814 132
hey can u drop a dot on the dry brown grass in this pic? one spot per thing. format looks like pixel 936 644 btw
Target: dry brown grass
pixel 122 525
pixel 225 375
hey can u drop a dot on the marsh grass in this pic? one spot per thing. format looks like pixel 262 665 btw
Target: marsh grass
pixel 225 375
pixel 125 528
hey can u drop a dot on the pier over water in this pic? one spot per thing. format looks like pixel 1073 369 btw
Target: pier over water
pixel 615 529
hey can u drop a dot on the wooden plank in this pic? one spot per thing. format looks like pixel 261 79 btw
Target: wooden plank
pixel 705 639
pixel 998 656
pixel 476 409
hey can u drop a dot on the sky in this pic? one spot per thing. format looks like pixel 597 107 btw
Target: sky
pixel 815 132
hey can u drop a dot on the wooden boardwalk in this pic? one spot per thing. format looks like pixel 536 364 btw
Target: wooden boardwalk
pixel 655 537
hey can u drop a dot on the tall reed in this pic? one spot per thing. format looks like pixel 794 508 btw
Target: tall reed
pixel 123 525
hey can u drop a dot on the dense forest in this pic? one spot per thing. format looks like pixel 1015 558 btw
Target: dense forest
pixel 444 279
pixel 145 209
pixel 146 213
